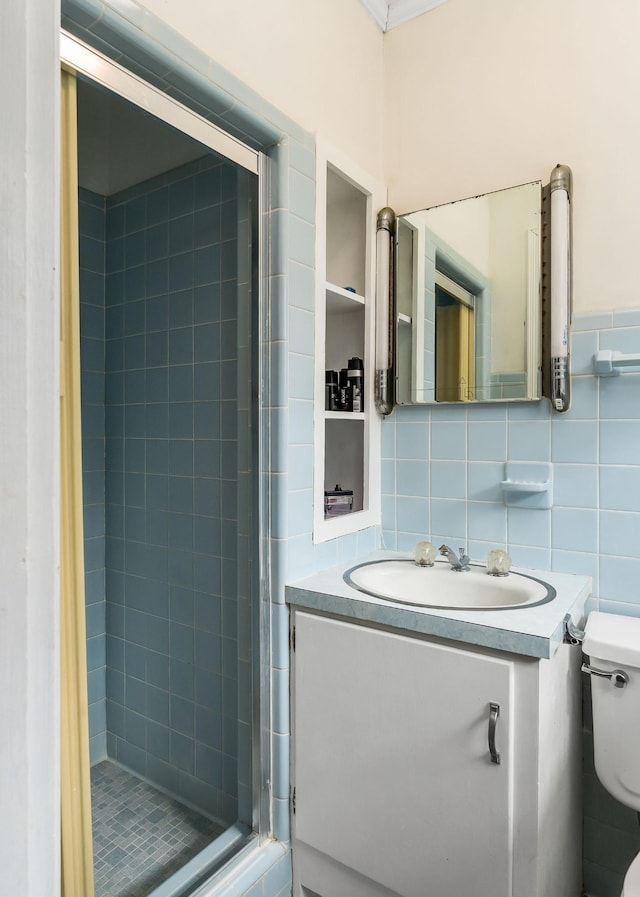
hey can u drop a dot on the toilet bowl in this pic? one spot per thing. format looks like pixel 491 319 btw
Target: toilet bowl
pixel 631 886
pixel 612 644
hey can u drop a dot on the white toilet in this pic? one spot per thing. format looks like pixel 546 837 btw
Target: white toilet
pixel 612 644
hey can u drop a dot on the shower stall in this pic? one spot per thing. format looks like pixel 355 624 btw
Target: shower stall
pixel 169 334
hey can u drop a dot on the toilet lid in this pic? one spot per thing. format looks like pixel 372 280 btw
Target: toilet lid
pixel 632 880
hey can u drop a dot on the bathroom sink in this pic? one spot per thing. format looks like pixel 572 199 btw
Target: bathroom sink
pixel 441 587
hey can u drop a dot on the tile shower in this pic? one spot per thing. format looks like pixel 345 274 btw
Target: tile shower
pixel 164 281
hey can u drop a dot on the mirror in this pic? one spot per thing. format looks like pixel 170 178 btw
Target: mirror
pixel 468 325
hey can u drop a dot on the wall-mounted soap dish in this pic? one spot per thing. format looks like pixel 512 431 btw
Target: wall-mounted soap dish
pixel 528 484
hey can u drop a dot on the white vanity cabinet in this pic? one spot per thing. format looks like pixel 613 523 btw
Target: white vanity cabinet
pixel 396 789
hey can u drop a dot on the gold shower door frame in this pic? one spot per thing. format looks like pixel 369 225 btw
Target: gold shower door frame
pixel 75 808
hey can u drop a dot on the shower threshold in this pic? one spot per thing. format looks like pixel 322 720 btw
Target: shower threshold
pixel 146 842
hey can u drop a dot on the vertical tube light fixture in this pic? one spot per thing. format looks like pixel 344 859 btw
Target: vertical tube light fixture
pixel 560 292
pixel 385 329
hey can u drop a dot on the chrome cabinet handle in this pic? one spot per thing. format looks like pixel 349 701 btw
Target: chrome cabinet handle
pixel 618 678
pixel 494 713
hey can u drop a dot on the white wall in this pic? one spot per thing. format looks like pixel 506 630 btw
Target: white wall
pixel 29 460
pixel 319 61
pixel 486 95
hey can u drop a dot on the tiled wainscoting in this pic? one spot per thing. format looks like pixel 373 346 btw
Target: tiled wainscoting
pixel 441 474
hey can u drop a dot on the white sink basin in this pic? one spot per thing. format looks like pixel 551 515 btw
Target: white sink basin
pixel 441 587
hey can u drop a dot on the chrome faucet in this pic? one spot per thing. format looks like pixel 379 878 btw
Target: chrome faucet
pixel 459 564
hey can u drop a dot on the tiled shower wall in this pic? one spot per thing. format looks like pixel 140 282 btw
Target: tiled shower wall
pixel 441 480
pixel 91 226
pixel 166 259
pixel 171 488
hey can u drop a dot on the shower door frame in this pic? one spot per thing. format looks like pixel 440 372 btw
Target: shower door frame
pixel 89 63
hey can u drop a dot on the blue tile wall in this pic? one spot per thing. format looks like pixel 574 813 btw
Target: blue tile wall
pixel 172 508
pixel 441 473
pixel 91 227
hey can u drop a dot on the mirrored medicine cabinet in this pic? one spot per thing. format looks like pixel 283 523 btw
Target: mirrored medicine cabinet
pixel 468 299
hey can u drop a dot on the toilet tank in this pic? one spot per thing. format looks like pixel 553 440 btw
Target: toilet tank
pixel 612 642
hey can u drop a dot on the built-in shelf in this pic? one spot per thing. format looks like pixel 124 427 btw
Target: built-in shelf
pixel 346 444
pixel 344 415
pixel 342 293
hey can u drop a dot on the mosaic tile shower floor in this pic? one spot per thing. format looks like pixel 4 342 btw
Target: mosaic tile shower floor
pixel 140 835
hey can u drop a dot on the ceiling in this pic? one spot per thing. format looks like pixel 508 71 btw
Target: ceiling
pixel 387 14
pixel 120 144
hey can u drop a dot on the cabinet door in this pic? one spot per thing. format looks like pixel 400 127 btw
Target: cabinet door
pixel 392 770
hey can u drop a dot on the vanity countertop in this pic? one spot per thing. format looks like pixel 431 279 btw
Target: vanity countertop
pixel 535 631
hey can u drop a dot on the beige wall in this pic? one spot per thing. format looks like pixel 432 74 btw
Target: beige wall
pixel 319 61
pixel 484 95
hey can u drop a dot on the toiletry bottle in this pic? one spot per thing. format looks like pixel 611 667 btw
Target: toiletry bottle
pixel 344 392
pixel 356 383
pixel 331 390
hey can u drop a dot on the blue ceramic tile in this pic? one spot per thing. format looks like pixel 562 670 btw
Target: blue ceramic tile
pixel 206 303
pixel 134 283
pixel 300 466
pixel 619 578
pixel 448 440
pixel 620 488
pixel 206 342
pixel 300 376
pixel 135 249
pixel 413 478
pixel 182 751
pixel 587 321
pixel 529 440
pixel 487 521
pixel 302 196
pixel 301 287
pixel 448 479
pixel 452 412
pixel 181 345
pixel 620 442
pixel 209 267
pixel 448 518
pixel 206 420
pixel 624 339
pixel 577 563
pixel 574 529
pixel 412 440
pixel 619 533
pixel 412 514
pixel 528 527
pixel 533 558
pixel 583 347
pixel 301 331
pixel 627 317
pixel 619 397
pixel 180 528
pixel 584 399
pixel 575 485
pixel 487 441
pixel 574 441
pixel 206 381
pixel 300 422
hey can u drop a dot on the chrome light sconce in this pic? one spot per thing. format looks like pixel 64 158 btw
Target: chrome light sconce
pixel 560 297
pixel 385 312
